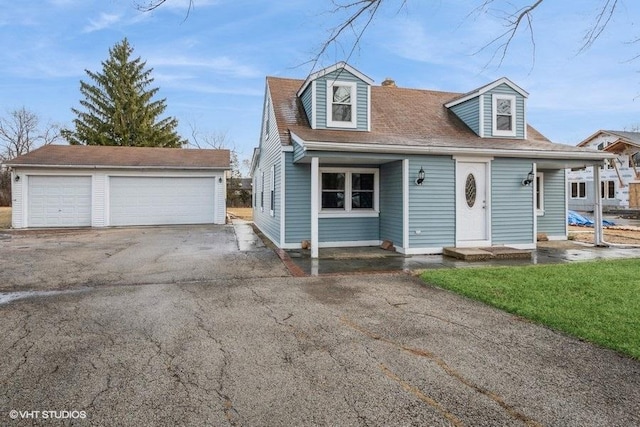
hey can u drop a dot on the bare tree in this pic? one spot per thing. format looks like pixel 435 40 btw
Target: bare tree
pixel 517 16
pixel 20 132
pixel 216 141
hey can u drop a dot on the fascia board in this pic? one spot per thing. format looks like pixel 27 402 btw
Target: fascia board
pixel 407 149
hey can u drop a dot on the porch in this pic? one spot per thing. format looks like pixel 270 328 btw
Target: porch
pixel 366 260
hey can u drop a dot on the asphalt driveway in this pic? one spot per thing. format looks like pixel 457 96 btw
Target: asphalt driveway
pixel 376 350
pixel 63 259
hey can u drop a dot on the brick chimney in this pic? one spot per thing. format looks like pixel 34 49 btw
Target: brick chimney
pixel 389 82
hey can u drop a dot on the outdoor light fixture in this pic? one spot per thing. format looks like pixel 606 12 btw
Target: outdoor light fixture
pixel 420 178
pixel 528 180
pixel 17 178
pixel 220 180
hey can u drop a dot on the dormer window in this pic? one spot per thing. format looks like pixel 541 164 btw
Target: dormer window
pixel 341 108
pixel 504 108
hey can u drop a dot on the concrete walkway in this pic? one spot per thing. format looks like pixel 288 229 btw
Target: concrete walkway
pixel 373 259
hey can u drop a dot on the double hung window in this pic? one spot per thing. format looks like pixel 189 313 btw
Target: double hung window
pixel 349 191
pixel 341 104
pixel 504 109
pixel 578 190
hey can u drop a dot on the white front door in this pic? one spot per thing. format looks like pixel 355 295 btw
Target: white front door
pixel 472 227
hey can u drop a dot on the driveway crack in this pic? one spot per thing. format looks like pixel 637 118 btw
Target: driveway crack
pixel 509 409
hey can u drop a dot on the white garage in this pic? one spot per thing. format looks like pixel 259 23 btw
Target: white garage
pixel 59 201
pixel 98 186
pixel 161 200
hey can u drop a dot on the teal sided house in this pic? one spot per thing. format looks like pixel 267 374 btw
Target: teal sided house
pixel 343 162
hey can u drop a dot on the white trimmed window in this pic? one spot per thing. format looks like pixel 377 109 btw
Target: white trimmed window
pixel 350 192
pixel 254 191
pixel 608 189
pixel 578 190
pixel 539 193
pixel 341 104
pixel 262 193
pixel 272 207
pixel 504 115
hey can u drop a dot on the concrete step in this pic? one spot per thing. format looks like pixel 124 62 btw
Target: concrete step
pixel 485 254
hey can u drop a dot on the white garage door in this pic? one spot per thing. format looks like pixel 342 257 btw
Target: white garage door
pixel 161 200
pixel 59 201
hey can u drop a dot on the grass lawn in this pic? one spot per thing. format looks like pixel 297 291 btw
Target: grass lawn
pixel 596 301
pixel 5 217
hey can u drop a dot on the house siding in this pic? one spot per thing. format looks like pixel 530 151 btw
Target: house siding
pixel 469 113
pixel 432 208
pixel 553 221
pixel 504 89
pixel 511 202
pixel 298 152
pixel 391 219
pixel 307 102
pixel 270 153
pixel 298 201
pixel 348 229
pixel 361 100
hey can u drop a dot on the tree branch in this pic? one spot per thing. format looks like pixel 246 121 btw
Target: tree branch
pixel 602 21
pixel 357 11
pixel 514 21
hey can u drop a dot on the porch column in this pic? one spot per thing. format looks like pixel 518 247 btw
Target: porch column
pixel 315 205
pixel 597 208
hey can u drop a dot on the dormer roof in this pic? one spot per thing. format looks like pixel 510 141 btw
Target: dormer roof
pixel 486 88
pixel 338 66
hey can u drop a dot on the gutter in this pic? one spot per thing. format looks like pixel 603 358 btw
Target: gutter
pixel 409 149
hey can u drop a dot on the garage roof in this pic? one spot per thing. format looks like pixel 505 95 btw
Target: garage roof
pixel 76 156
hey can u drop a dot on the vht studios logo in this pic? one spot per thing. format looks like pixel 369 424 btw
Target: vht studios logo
pixel 47 415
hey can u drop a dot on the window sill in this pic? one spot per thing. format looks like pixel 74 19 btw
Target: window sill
pixel 539 212
pixel 342 125
pixel 504 133
pixel 351 214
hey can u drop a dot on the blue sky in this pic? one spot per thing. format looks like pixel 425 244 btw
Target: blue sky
pixel 211 64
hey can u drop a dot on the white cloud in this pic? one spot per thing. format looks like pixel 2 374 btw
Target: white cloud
pixel 105 20
pixel 185 4
pixel 215 89
pixel 222 65
pixel 62 3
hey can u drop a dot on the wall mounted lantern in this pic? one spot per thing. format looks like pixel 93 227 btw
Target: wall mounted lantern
pixel 420 178
pixel 528 180
pixel 17 178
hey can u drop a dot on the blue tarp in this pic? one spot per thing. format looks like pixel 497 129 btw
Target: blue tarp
pixel 574 218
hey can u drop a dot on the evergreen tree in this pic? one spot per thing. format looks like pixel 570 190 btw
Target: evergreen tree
pixel 118 106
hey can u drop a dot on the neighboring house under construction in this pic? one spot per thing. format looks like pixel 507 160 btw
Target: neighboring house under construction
pixel 619 178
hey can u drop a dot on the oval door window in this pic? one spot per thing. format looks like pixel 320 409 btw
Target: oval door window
pixel 470 190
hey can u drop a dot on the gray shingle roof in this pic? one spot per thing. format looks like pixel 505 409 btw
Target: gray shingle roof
pixel 402 117
pixel 106 156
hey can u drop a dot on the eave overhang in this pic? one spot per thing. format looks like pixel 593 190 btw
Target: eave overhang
pixel 595 157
